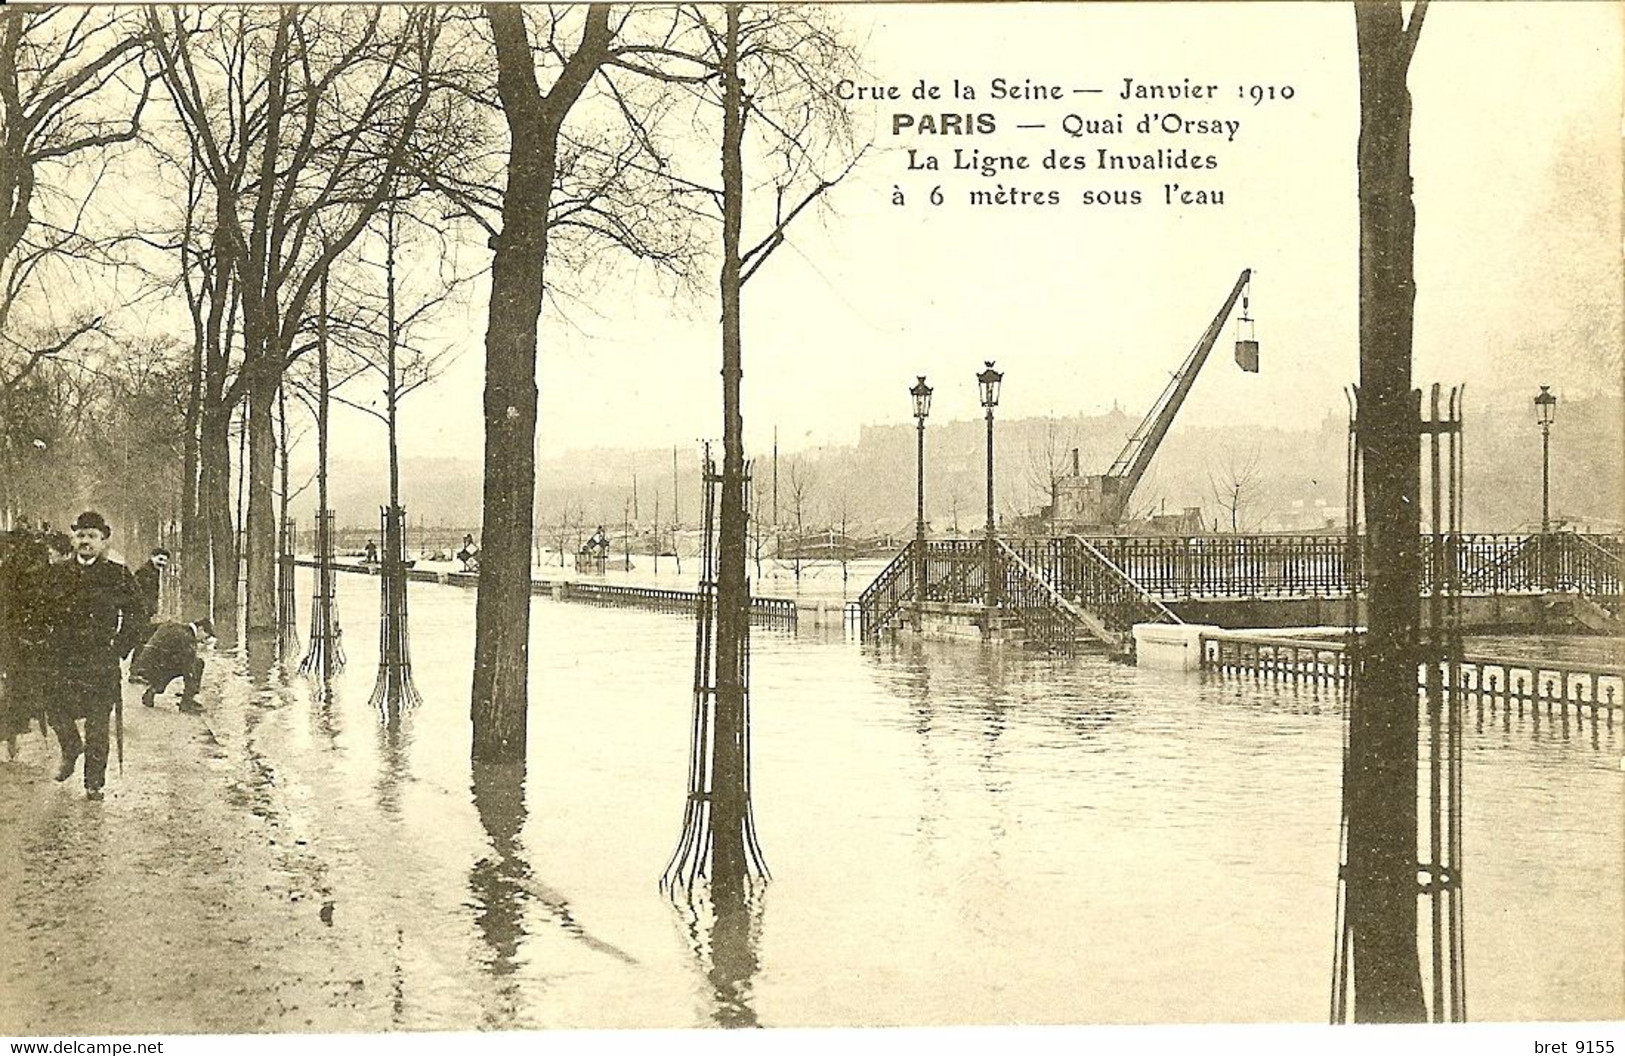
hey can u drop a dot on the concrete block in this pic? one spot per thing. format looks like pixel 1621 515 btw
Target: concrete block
pixel 1170 646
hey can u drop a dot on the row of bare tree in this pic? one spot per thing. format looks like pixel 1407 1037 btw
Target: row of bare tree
pixel 264 183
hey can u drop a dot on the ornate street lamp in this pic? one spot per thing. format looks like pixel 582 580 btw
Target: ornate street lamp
pixel 988 381
pixel 1545 412
pixel 922 407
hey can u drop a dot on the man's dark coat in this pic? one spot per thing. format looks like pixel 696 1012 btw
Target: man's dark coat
pixel 91 616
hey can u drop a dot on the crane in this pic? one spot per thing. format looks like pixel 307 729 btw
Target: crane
pixel 1099 501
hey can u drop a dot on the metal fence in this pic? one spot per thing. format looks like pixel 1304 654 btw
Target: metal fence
pixel 1324 566
pixel 1480 679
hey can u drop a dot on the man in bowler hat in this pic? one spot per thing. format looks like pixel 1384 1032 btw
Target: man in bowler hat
pixel 92 615
pixel 150 575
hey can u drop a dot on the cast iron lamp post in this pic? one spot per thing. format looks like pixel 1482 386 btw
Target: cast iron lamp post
pixel 988 381
pixel 922 407
pixel 1545 412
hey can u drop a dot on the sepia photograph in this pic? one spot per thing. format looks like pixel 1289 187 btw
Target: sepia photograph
pixel 618 522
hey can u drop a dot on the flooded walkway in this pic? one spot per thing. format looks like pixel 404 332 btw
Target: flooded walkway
pixel 958 835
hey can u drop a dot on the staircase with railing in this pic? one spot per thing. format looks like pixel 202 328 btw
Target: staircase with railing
pixel 1047 619
pixel 1596 567
pixel 1061 592
pixel 1488 564
pixel 1111 596
pixel 882 600
pixel 1553 562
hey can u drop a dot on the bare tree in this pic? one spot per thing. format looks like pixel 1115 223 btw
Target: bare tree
pixel 1236 481
pixel 800 481
pixel 554 186
pixel 104 429
pixel 564 531
pixel 72 88
pixel 1049 460
pixel 381 331
pixel 761 513
pixel 300 118
pixel 800 146
pixel 135 439
pixel 388 348
pixel 841 508
pixel 72 91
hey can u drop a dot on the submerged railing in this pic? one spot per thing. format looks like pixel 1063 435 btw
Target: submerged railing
pixel 767 612
pixel 1547 683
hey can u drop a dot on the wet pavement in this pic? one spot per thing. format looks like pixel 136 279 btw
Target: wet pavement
pixel 193 899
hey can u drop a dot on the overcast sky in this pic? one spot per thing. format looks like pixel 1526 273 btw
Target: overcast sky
pixel 1084 307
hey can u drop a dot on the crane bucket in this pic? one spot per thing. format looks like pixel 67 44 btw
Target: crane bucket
pixel 1247 355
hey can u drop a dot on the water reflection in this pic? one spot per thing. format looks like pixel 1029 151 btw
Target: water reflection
pixel 327 714
pixel 993 690
pixel 510 904
pixel 259 658
pixel 258 662
pixel 497 882
pixel 724 930
pixel 914 685
pixel 394 766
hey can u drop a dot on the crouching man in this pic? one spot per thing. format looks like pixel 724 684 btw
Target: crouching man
pixel 171 653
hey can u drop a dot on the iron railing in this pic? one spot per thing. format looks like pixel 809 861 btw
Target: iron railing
pixel 1109 590
pixel 1123 580
pixel 883 599
pixel 1541 683
pixel 1233 566
pixel 769 612
pixel 1323 566
pixel 956 571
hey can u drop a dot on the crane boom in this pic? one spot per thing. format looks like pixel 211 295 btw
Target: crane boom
pixel 1130 465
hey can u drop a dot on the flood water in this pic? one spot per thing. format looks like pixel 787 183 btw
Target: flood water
pixel 957 835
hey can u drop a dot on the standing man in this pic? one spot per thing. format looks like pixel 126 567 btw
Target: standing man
pixel 149 579
pixel 150 575
pixel 92 615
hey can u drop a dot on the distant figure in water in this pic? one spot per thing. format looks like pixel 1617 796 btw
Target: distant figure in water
pixel 469 555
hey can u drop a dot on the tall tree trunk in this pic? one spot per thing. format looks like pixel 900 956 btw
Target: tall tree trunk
pixel 259 531
pixel 500 694
pixel 214 446
pixel 214 486
pixel 392 387
pixel 1382 886
pixel 194 555
pixel 733 590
